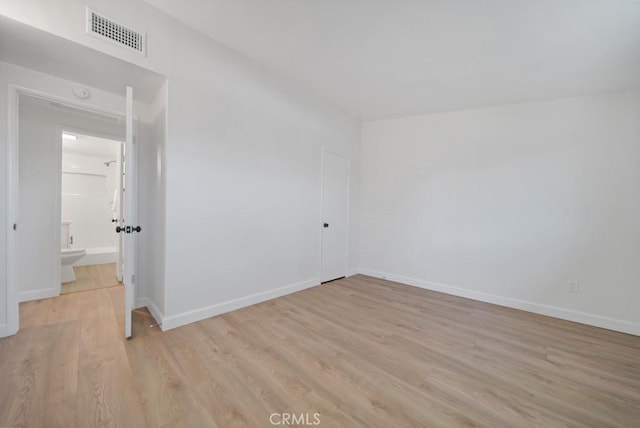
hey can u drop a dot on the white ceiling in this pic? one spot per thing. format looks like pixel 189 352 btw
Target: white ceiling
pixel 389 58
pixel 88 145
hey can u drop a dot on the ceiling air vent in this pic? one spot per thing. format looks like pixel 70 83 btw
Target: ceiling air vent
pixel 110 30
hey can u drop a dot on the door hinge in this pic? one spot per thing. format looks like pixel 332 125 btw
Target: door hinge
pixel 133 278
pixel 15 226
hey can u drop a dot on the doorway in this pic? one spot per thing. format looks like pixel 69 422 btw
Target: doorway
pixel 43 123
pixel 91 206
pixel 335 216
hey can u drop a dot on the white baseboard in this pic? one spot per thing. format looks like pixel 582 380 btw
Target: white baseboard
pixel 98 257
pixel 5 331
pixel 185 318
pixel 352 271
pixel 43 293
pixel 155 312
pixel 551 311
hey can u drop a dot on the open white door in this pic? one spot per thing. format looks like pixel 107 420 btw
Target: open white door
pixel 130 219
pixel 335 216
pixel 120 214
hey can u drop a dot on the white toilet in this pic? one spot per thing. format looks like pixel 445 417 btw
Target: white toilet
pixel 68 255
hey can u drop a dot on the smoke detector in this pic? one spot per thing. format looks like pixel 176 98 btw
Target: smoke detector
pixel 81 92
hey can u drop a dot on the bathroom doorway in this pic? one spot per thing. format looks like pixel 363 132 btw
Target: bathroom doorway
pixel 37 174
pixel 91 207
pixel 41 122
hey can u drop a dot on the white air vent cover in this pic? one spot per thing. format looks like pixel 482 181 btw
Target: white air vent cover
pixel 110 30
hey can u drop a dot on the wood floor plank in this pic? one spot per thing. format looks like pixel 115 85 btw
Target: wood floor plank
pixel 39 382
pixel 92 277
pixel 314 408
pixel 230 401
pixel 63 308
pixel 401 379
pixel 277 388
pixel 359 352
pixel 99 325
pixel 34 313
pixel 165 393
pixel 107 396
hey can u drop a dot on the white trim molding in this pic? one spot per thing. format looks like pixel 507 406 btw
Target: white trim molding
pixel 145 302
pixel 5 330
pixel 352 271
pixel 189 317
pixel 43 293
pixel 12 323
pixel 538 308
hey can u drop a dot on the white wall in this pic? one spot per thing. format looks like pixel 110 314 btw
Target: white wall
pixel 88 187
pixel 510 204
pixel 39 165
pixel 243 189
pixel 242 162
pixel 151 206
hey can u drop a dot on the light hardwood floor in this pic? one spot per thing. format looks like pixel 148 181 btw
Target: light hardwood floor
pixel 91 277
pixel 360 352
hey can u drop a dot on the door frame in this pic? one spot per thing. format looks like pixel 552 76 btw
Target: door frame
pixel 324 151
pixel 12 210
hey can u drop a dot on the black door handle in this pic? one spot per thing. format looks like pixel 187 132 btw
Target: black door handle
pixel 326 225
pixel 114 220
pixel 128 229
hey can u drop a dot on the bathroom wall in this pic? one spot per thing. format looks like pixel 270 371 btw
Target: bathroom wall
pixel 88 189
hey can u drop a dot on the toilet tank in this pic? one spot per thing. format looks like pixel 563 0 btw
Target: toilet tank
pixel 66 235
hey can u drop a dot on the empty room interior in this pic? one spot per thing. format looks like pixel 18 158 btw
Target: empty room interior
pixel 356 213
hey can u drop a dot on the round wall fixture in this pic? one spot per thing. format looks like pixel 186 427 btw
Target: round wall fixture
pixel 81 92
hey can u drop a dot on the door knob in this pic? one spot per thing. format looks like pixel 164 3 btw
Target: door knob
pixel 114 220
pixel 326 225
pixel 128 229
